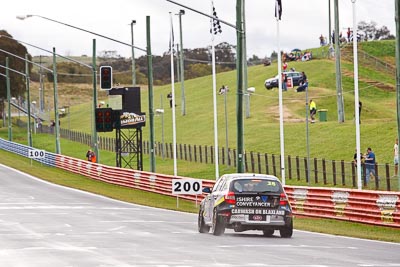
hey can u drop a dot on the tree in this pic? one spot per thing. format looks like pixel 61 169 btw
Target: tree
pixel 371 32
pixel 17 81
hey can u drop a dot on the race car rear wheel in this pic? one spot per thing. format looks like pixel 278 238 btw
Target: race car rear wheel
pixel 218 224
pixel 202 227
pixel 287 231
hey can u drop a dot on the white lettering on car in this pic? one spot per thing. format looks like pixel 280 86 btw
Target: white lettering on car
pixel 258 211
pixel 252 204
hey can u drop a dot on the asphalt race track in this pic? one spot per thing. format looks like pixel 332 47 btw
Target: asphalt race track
pixel 42 224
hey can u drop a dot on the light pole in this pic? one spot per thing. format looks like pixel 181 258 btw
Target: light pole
pixel 149 71
pixel 307 139
pixel 7 76
pixel 133 55
pixel 397 18
pixel 356 97
pixel 182 68
pixel 226 129
pixel 8 100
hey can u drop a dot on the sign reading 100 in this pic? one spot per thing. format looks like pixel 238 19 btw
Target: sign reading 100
pixel 36 153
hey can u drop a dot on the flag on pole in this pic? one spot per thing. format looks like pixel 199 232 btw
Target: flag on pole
pixel 215 25
pixel 278 9
pixel 171 38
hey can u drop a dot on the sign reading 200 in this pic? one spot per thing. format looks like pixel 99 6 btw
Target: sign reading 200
pixel 186 186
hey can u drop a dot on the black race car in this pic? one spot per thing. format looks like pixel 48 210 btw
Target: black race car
pixel 243 202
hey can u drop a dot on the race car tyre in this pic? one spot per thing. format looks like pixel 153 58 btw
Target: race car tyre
pixel 287 231
pixel 268 232
pixel 218 225
pixel 202 227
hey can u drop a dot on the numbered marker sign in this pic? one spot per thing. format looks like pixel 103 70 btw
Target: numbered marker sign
pixel 186 186
pixel 36 154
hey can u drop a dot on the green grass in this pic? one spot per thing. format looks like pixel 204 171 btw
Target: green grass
pixel 68 179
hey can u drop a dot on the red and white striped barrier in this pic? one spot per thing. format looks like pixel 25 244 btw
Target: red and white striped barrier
pixel 364 206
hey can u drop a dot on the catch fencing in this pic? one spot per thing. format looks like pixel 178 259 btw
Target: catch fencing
pixel 363 206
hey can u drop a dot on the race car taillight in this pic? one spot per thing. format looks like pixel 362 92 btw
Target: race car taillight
pixel 230 198
pixel 283 201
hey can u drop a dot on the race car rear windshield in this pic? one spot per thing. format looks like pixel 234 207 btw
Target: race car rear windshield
pixel 256 186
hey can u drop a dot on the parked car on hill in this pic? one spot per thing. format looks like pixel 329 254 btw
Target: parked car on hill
pixel 273 82
pixel 245 201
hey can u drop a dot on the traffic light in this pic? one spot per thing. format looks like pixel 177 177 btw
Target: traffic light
pixel 104 120
pixel 106 77
pixel 108 120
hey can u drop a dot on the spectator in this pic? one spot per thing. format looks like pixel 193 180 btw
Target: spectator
pixel 359 110
pixel 349 34
pixel 369 165
pixel 303 77
pixel 222 90
pixel 313 110
pixel 91 156
pixel 321 40
pixel 284 82
pixel 396 157
pixel 169 96
pixel 284 66
pixel 331 51
pixel 302 87
pixel 52 125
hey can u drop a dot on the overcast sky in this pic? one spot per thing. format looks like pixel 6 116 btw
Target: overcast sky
pixel 303 21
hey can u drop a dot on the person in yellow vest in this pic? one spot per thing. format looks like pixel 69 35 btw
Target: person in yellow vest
pixel 313 110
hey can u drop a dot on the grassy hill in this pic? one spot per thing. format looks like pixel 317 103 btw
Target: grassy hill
pixel 330 140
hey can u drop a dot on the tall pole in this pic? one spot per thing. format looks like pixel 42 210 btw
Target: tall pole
pixel 397 10
pixel 339 91
pixel 245 83
pixel 226 129
pixel 356 97
pixel 282 138
pixel 28 96
pixel 178 70
pixel 330 23
pixel 307 139
pixel 162 126
pixel 181 65
pixel 214 94
pixel 150 85
pixel 41 87
pixel 56 117
pixel 173 96
pixel 94 132
pixel 133 55
pixel 8 101
pixel 240 73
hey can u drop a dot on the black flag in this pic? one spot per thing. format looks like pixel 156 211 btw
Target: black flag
pixel 215 26
pixel 278 7
pixel 171 39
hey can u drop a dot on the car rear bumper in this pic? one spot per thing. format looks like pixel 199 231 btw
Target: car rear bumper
pixel 246 219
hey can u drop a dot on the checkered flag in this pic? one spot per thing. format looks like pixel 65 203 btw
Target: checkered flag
pixel 215 26
pixel 278 9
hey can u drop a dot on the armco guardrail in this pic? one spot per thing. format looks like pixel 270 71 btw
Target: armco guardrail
pixel 363 206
